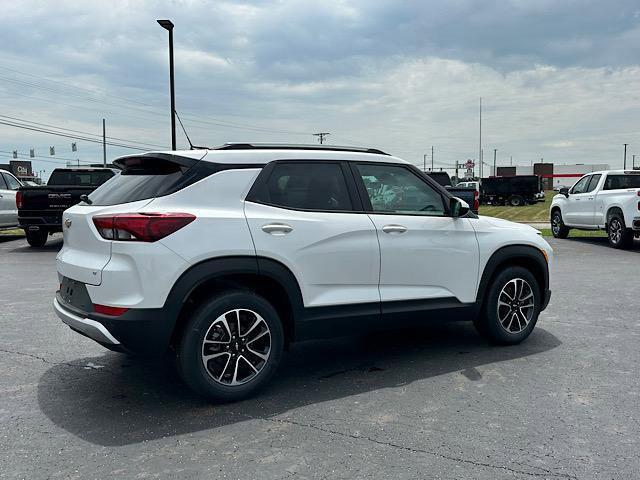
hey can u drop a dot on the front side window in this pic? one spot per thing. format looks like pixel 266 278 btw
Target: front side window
pixel 306 186
pixel 593 183
pixel 581 185
pixel 12 183
pixel 396 189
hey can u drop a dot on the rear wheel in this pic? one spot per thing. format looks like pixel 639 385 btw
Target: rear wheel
pixel 516 201
pixel 619 235
pixel 36 238
pixel 511 307
pixel 231 346
pixel 558 228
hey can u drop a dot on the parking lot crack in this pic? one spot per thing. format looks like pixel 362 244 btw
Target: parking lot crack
pixel 544 472
pixel 89 366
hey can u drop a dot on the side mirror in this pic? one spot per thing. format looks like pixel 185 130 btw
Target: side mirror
pixel 458 207
pixel 564 191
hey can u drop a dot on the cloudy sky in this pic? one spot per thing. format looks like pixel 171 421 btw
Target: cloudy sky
pixel 560 80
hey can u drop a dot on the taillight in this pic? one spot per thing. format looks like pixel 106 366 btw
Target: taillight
pixel 476 200
pixel 19 199
pixel 140 227
pixel 106 310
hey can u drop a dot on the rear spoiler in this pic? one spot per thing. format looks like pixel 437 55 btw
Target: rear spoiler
pixel 154 162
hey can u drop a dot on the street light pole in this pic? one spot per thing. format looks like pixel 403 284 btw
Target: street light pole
pixel 168 25
pixel 625 156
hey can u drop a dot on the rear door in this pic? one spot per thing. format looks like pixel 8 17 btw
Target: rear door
pixel 424 252
pixel 305 215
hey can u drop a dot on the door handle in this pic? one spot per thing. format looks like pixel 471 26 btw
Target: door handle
pixel 591 198
pixel 277 228
pixel 394 229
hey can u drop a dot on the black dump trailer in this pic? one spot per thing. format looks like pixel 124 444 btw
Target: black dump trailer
pixel 516 190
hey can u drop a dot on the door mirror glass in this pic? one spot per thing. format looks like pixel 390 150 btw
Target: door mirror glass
pixel 564 191
pixel 459 208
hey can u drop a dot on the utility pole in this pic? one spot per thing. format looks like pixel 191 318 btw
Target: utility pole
pixel 424 162
pixel 625 156
pixel 432 158
pixel 511 160
pixel 168 25
pixel 104 144
pixel 321 136
pixel 495 151
pixel 480 139
pixel 633 167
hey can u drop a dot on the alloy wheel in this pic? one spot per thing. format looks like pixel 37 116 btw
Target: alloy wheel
pixel 236 347
pixel 615 231
pixel 516 305
pixel 555 224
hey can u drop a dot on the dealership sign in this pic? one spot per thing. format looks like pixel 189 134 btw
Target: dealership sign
pixel 21 168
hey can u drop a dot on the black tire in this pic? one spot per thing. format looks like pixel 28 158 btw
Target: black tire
pixel 617 232
pixel 558 228
pixel 36 238
pixel 516 201
pixel 489 323
pixel 205 321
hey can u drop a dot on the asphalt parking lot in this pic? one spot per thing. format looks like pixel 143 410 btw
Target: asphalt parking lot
pixel 434 403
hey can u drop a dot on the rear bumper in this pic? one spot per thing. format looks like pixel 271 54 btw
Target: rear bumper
pixel 51 223
pixel 90 328
pixel 141 331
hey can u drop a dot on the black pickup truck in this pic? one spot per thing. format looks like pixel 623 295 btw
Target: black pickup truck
pixel 40 208
pixel 468 194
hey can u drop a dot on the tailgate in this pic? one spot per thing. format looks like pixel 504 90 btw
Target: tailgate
pixel 84 252
pixel 51 198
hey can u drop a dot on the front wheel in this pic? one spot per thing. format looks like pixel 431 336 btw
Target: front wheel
pixel 231 346
pixel 558 228
pixel 511 307
pixel 36 238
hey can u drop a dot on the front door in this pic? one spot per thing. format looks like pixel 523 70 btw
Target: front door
pixel 425 254
pixel 580 208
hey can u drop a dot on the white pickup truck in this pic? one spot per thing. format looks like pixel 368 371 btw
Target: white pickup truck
pixel 608 200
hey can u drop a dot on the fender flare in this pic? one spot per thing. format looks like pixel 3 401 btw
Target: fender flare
pixel 513 254
pixel 211 269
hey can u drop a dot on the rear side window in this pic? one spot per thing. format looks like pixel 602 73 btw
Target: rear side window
pixel 305 186
pixel 615 182
pixel 80 178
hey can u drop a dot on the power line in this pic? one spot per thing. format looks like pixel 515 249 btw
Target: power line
pixel 81 132
pixel 61 134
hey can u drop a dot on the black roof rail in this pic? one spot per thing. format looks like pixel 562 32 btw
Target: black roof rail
pixel 282 146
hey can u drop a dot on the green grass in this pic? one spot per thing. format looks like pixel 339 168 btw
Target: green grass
pixel 12 233
pixel 546 232
pixel 530 213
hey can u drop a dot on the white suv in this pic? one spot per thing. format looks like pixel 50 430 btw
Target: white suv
pixel 226 255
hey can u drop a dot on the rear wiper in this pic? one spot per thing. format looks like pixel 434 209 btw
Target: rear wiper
pixel 85 198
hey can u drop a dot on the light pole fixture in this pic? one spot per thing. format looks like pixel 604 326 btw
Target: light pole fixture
pixel 168 25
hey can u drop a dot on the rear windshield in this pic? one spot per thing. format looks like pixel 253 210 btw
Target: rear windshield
pixel 80 178
pixel 144 178
pixel 615 182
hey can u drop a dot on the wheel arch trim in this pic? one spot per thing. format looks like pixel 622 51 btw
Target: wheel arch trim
pixel 511 254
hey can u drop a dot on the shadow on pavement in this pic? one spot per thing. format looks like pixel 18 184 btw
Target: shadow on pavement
pixel 9 238
pixel 604 242
pixel 53 245
pixel 116 400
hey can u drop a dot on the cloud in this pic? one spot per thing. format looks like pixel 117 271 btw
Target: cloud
pixel 558 79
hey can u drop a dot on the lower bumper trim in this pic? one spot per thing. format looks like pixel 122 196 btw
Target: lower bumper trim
pixel 92 329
